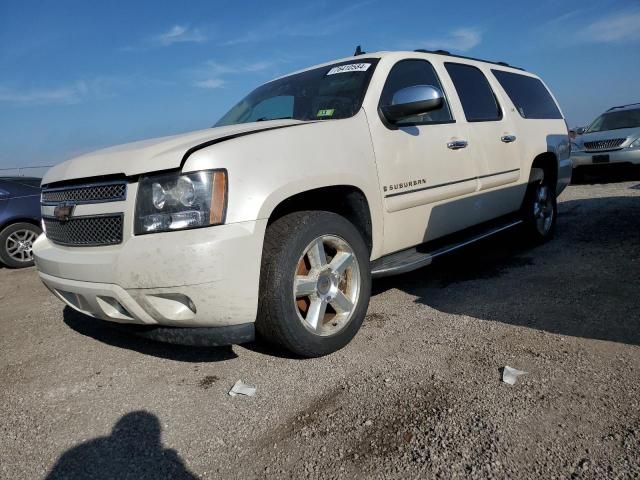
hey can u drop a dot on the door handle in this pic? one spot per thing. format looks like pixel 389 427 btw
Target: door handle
pixel 508 138
pixel 457 144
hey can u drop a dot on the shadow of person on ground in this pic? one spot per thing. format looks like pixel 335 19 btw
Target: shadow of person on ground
pixel 123 336
pixel 133 451
pixel 583 283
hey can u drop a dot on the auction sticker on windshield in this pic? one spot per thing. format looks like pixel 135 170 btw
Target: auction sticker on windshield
pixel 352 67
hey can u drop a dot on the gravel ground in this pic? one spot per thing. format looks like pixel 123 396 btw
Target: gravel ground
pixel 417 394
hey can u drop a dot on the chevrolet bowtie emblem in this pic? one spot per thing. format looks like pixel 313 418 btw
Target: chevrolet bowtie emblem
pixel 64 211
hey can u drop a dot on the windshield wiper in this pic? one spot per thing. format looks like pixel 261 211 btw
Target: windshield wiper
pixel 264 119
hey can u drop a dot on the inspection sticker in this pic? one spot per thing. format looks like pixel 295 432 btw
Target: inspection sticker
pixel 327 112
pixel 352 67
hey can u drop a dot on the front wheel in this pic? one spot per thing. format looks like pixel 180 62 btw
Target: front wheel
pixel 16 244
pixel 315 283
pixel 540 210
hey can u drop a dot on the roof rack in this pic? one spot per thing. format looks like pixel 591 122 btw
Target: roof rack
pixel 449 54
pixel 623 106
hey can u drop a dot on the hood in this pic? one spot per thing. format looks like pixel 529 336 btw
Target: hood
pixel 150 155
pixel 609 135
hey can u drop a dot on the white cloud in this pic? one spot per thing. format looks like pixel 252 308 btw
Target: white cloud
pixel 212 73
pixel 210 83
pixel 100 87
pixel 179 34
pixel 296 23
pixel 48 96
pixel 617 28
pixel 461 40
pixel 176 34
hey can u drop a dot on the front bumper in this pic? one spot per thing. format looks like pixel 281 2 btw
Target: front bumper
pixel 206 277
pixel 625 155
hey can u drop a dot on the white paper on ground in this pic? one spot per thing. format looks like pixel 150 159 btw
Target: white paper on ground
pixel 241 388
pixel 510 375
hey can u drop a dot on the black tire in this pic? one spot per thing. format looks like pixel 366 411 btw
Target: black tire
pixel 540 215
pixel 279 319
pixel 22 256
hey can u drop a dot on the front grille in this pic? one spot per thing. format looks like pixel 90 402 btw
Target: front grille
pixel 90 193
pixel 85 231
pixel 604 144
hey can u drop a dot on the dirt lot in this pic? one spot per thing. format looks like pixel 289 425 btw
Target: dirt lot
pixel 416 395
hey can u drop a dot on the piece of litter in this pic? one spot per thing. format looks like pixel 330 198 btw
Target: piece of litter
pixel 241 388
pixel 510 375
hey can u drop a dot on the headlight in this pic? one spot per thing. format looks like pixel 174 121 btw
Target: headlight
pixel 575 147
pixel 635 143
pixel 175 201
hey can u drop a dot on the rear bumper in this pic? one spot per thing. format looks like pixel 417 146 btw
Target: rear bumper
pixel 195 278
pixel 579 159
pixel 564 175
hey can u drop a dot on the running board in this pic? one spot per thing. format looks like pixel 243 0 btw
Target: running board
pixel 412 259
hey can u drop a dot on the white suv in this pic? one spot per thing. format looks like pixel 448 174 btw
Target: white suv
pixel 279 216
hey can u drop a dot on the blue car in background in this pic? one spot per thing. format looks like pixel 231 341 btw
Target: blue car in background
pixel 19 220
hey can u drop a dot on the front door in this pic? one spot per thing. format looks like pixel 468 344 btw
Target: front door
pixel 422 164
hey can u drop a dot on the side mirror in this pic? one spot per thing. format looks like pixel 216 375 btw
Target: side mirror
pixel 414 100
pixel 581 130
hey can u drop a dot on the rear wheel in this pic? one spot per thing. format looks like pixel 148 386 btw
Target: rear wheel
pixel 16 244
pixel 540 210
pixel 315 283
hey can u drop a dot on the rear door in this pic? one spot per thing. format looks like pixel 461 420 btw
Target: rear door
pixel 493 141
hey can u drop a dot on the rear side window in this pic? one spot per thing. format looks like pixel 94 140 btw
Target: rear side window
pixel 529 95
pixel 478 100
pixel 408 73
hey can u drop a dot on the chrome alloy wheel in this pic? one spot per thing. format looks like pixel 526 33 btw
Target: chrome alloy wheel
pixel 327 285
pixel 543 209
pixel 19 245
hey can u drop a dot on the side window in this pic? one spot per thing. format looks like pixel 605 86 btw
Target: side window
pixel 478 100
pixel 529 95
pixel 408 73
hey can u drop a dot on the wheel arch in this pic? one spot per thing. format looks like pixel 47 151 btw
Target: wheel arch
pixel 348 201
pixel 548 163
pixel 11 221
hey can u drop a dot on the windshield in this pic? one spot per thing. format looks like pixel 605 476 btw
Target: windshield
pixel 325 93
pixel 616 121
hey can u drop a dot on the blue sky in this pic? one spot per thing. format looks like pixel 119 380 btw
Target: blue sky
pixel 80 75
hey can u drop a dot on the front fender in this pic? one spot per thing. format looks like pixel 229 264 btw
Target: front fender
pixel 268 167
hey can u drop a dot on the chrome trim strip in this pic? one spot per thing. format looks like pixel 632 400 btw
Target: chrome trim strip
pixel 450 183
pixel 87 185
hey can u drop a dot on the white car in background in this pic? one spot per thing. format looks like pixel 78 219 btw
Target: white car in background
pixel 612 138
pixel 277 219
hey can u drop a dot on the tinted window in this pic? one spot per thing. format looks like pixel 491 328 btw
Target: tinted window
pixel 528 94
pixel 478 100
pixel 324 93
pixel 273 107
pixel 616 121
pixel 409 73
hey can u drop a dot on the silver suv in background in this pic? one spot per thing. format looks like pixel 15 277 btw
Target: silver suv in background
pixel 612 138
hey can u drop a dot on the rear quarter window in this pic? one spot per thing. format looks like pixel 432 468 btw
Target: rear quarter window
pixel 529 95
